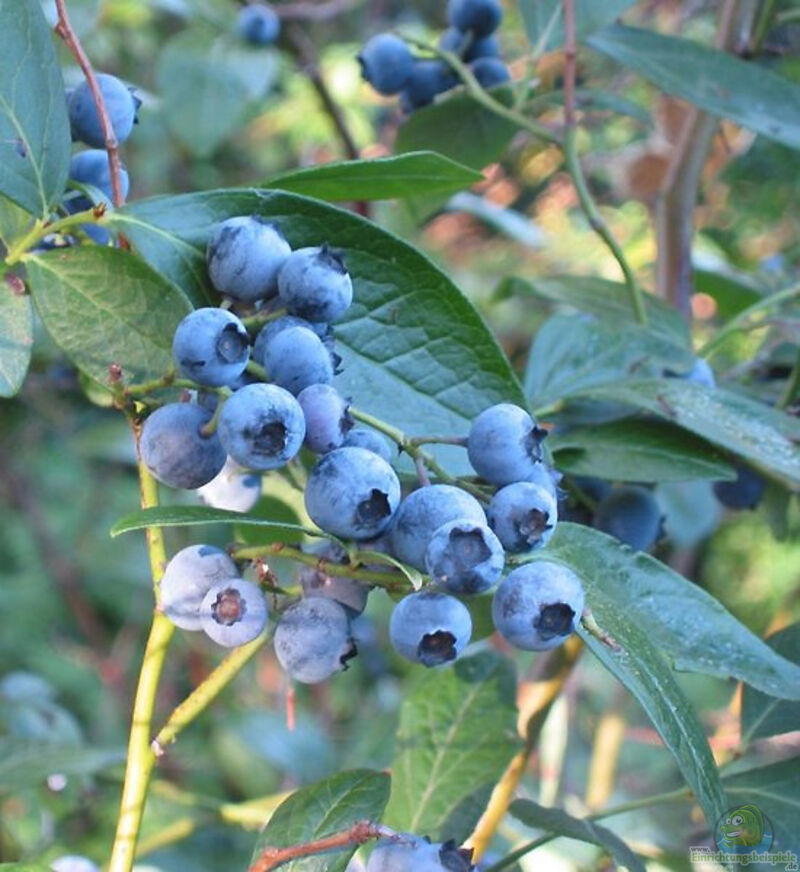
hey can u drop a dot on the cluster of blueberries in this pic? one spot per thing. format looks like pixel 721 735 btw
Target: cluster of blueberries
pixel 260 421
pixel 389 66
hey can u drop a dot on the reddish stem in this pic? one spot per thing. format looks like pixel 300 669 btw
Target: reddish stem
pixel 65 31
pixel 570 55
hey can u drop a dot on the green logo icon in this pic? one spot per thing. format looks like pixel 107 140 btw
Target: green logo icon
pixel 744 829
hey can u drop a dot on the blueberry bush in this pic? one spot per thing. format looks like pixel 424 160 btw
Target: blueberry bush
pixel 402 573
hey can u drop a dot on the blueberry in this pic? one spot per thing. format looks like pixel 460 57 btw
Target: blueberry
pixel 90 167
pixel 211 347
pixel 361 437
pixel 595 488
pixel 743 493
pixel 490 72
pixel 25 687
pixel 295 358
pixel 261 426
pixel 174 449
pixel 404 852
pixel 327 417
pixel 523 515
pixel 422 512
pixel 258 24
pixel 314 284
pixel 504 444
pixel 233 489
pixel 312 640
pixel 386 63
pixel 485 47
pixel 244 255
pixel 481 17
pixel 465 557
pixel 701 374
pixel 120 103
pixel 73 863
pixel 428 79
pixel 348 592
pixel 352 493
pixel 632 514
pixel 545 476
pixel 272 328
pixel 538 605
pixel 430 628
pixel 233 612
pixel 189 575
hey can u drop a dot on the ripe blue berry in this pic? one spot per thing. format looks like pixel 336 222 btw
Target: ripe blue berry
pixel 272 328
pixel 404 852
pixel 233 612
pixel 233 489
pixel 327 417
pixel 174 449
pixel 348 592
pixel 261 426
pixel 545 476
pixel 430 628
pixel 313 641
pixel 211 347
pixel 537 605
pixel 490 72
pixel 523 515
pixel 428 79
pixel 481 17
pixel 386 63
pixel 244 255
pixel 352 493
pixel 314 284
pixel 188 577
pixel 295 358
pixel 120 104
pixel 465 557
pixel 743 493
pixel 90 167
pixel 422 512
pixel 701 374
pixel 361 437
pixel 484 47
pixel 632 514
pixel 258 24
pixel 504 444
pixel 73 863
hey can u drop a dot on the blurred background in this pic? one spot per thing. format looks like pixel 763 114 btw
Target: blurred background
pixel 76 604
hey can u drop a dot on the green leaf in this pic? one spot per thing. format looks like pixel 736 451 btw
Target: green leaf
pixel 554 820
pixel 457 734
pixel 775 789
pixel 544 19
pixel 191 516
pixel 608 301
pixel 637 450
pixel 24 764
pixel 732 292
pixel 714 80
pixel 763 715
pixel 459 128
pixel 412 345
pixel 642 668
pixel 16 339
pixel 34 133
pixel 206 85
pixel 756 432
pixel 385 178
pixel 572 352
pixel 323 809
pixel 102 305
pixel 684 622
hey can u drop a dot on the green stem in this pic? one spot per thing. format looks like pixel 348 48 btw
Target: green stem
pixel 679 795
pixel 257 321
pixel 140 759
pixel 738 324
pixel 411 447
pixel 792 385
pixel 205 693
pixel 388 580
pixel 257 370
pixel 40 229
pixel 598 224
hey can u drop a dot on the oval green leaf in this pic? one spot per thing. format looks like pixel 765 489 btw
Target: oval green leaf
pixel 104 306
pixel 16 338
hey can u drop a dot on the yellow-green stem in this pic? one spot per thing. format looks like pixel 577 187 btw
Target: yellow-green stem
pixel 40 229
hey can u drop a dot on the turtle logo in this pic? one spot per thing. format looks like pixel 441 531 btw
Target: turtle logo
pixel 744 829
